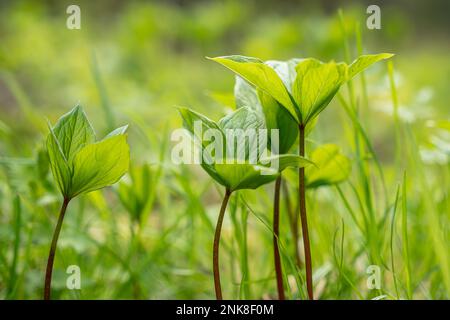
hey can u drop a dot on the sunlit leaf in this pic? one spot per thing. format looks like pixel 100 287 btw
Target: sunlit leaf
pixel 278 118
pixel 244 176
pixel 78 163
pixel 285 70
pixel 331 167
pixel 235 173
pixel 315 86
pixel 288 161
pixel 365 61
pixel 58 163
pixel 261 76
pixel 245 95
pixel 73 131
pixel 100 164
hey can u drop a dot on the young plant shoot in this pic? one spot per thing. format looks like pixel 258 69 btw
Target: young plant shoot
pixel 80 164
pixel 238 172
pixel 305 89
pixel 276 118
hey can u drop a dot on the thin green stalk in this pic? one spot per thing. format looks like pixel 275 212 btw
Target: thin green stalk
pixel 303 217
pixel 398 144
pixel 362 76
pixel 392 243
pixel 216 270
pixel 106 105
pixel 51 255
pixel 246 271
pixel 293 219
pixel 405 240
pixel 13 268
pixel 276 234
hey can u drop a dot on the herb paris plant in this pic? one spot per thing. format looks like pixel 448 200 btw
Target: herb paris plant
pixel 80 164
pixel 305 91
pixel 234 176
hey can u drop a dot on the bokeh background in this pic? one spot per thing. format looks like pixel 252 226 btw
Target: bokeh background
pixel 133 62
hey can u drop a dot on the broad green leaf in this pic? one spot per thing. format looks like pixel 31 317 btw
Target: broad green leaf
pixel 316 85
pixel 278 118
pixel 58 163
pixel 243 118
pixel 288 161
pixel 301 69
pixel 261 76
pixel 190 117
pixel 78 163
pixel 100 164
pixel 332 167
pixel 245 95
pixel 244 176
pixel 231 173
pixel 285 70
pixel 73 131
pixel 365 61
pixel 241 133
pixel 275 116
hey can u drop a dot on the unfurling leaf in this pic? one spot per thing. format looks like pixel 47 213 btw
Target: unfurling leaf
pixel 78 163
pixel 229 172
pixel 304 87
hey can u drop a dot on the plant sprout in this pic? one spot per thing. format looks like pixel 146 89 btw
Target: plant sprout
pixel 80 164
pixel 305 91
pixel 234 176
pixel 278 118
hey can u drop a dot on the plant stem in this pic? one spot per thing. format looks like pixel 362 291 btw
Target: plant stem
pixel 293 218
pixel 51 255
pixel 276 234
pixel 303 218
pixel 216 271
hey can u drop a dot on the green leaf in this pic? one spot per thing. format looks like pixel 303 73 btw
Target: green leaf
pixel 189 118
pixel 275 115
pixel 118 131
pixel 245 95
pixel 78 163
pixel 288 161
pixel 279 118
pixel 365 61
pixel 243 118
pixel 316 85
pixel 228 171
pixel 285 70
pixel 241 131
pixel 58 163
pixel 237 176
pixel 261 76
pixel 73 131
pixel 332 167
pixel 100 164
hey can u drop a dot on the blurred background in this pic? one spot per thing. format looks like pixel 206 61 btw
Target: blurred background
pixel 133 62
